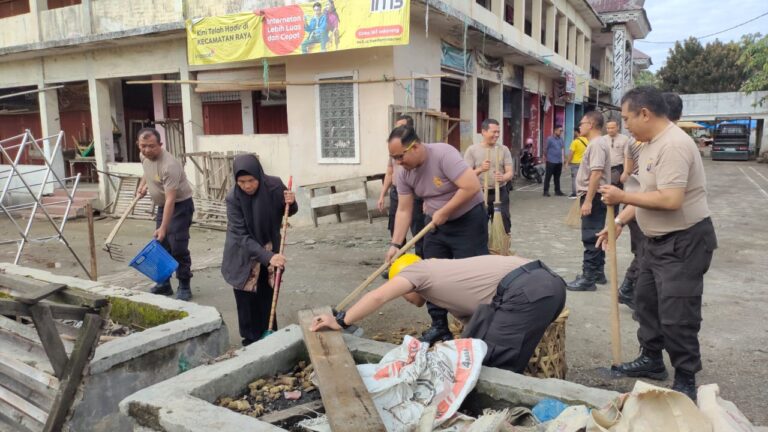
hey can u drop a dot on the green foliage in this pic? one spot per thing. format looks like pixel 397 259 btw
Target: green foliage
pixel 693 68
pixel 754 59
pixel 143 315
pixel 646 78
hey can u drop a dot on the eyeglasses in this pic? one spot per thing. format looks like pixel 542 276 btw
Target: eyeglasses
pixel 402 155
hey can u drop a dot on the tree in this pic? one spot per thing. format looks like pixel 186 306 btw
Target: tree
pixel 754 59
pixel 693 68
pixel 646 78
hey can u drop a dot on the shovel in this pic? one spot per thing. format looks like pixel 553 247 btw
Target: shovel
pixel 279 272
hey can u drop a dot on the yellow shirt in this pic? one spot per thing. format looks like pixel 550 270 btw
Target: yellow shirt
pixel 578 147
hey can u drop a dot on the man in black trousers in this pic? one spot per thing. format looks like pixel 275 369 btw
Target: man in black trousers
pixel 672 211
pixel 594 171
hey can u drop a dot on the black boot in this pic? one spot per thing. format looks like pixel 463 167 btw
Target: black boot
pixel 438 332
pixel 600 278
pixel 685 383
pixel 582 283
pixel 648 365
pixel 627 293
pixel 163 288
pixel 184 293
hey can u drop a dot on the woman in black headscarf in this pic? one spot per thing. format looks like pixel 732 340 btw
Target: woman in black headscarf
pixel 255 207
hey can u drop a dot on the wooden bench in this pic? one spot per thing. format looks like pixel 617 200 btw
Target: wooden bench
pixel 356 195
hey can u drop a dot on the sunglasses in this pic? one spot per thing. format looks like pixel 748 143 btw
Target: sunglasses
pixel 402 155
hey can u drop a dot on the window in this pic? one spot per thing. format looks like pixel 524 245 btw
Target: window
pixel 485 3
pixel 337 119
pixel 421 93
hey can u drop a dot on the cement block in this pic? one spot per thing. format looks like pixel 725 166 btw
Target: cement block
pixel 126 365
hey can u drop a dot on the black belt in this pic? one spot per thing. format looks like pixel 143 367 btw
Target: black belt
pixel 527 268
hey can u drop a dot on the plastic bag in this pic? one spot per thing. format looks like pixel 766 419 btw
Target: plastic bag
pixel 723 414
pixel 548 409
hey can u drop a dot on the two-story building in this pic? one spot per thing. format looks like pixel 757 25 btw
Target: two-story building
pixel 531 64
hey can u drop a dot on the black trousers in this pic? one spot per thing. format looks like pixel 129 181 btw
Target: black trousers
pixel 594 258
pixel 176 240
pixel 553 170
pixel 417 218
pixel 463 237
pixel 527 300
pixel 253 309
pixel 668 293
pixel 636 241
pixel 504 192
pixel 616 172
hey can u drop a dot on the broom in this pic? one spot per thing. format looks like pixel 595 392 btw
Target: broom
pixel 485 180
pixel 573 218
pixel 498 240
pixel 279 271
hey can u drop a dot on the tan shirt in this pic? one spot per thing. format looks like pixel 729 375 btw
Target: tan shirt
pixel 597 157
pixel 476 154
pixel 165 173
pixel 618 146
pixel 672 160
pixel 460 285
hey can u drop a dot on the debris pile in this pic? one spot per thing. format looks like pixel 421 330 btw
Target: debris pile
pixel 276 393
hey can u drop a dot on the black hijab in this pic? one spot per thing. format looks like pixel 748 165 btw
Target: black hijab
pixel 262 210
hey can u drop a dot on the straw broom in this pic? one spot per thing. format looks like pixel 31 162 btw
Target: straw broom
pixel 498 240
pixel 485 180
pixel 573 219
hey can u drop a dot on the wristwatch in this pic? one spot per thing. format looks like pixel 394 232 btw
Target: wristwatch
pixel 393 244
pixel 618 222
pixel 340 319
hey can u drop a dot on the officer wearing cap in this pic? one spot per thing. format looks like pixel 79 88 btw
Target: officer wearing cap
pixel 672 212
pixel 507 301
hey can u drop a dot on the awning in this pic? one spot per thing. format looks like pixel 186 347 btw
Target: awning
pixel 689 125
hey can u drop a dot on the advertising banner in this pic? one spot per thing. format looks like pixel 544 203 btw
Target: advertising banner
pixel 311 27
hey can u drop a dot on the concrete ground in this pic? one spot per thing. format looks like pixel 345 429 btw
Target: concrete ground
pixel 328 262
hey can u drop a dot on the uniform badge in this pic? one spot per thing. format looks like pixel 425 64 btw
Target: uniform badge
pixel 437 181
pixel 649 165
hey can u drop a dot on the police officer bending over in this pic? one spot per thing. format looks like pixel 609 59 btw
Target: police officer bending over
pixel 672 212
pixel 508 302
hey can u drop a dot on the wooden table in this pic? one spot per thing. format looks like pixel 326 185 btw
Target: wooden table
pixel 90 163
pixel 358 194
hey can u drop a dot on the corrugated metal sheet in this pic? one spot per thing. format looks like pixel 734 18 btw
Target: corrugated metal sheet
pixel 602 6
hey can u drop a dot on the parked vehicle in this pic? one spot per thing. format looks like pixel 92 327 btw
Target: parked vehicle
pixel 530 166
pixel 731 139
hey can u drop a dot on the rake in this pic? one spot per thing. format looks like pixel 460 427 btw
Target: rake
pixel 115 250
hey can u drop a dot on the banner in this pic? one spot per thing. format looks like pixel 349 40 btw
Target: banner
pixel 330 25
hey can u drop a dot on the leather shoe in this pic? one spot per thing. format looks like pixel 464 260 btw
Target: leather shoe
pixel 600 279
pixel 439 332
pixel 647 365
pixel 627 293
pixel 685 383
pixel 546 194
pixel 185 292
pixel 162 289
pixel 581 284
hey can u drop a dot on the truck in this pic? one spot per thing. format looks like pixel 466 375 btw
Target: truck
pixel 731 138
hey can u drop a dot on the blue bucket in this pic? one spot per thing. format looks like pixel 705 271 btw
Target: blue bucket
pixel 155 262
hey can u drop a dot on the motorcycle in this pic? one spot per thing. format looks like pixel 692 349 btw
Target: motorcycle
pixel 530 166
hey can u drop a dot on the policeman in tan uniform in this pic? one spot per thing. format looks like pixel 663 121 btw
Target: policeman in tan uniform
pixel 672 211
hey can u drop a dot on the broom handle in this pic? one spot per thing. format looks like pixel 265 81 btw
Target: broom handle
pixel 279 271
pixel 122 219
pixel 485 179
pixel 344 303
pixel 496 200
pixel 612 267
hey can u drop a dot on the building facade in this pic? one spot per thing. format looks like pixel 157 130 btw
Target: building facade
pixel 532 64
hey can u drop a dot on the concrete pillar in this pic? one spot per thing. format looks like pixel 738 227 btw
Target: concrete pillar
pixel 118 115
pixel 158 102
pixel 520 15
pixel 562 43
pixel 497 7
pixel 468 110
pixel 536 23
pixel 192 113
pixel 496 106
pixel 101 121
pixel 51 125
pixel 571 42
pixel 580 54
pixel 246 104
pixel 87 11
pixel 549 38
pixel 570 124
pixel 588 56
pixel 628 80
pixel 35 7
pixel 619 62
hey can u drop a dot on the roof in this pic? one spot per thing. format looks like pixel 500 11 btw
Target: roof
pixel 637 54
pixel 602 6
